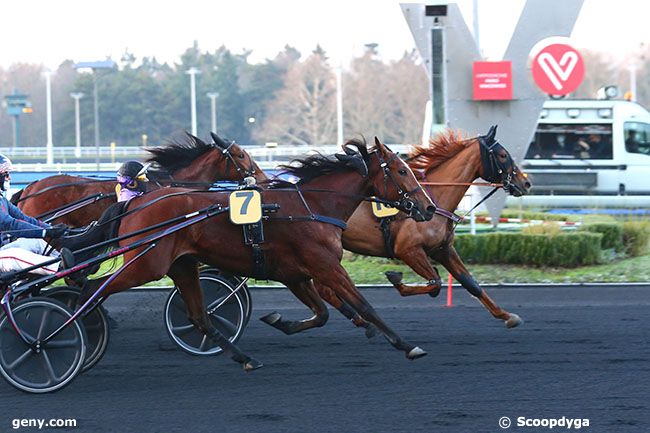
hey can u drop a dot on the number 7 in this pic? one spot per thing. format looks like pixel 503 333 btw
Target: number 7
pixel 248 196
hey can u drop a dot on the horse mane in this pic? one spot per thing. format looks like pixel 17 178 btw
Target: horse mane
pixel 441 148
pixel 178 153
pixel 317 165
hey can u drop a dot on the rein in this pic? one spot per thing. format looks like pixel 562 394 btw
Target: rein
pixel 53 187
pixel 493 185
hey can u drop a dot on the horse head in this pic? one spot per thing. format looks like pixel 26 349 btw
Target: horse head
pixel 497 165
pixel 394 181
pixel 239 162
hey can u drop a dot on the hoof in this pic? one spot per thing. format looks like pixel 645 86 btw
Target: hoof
pixel 513 321
pixel 394 277
pixel 271 318
pixel 251 365
pixel 435 292
pixel 416 353
pixel 371 331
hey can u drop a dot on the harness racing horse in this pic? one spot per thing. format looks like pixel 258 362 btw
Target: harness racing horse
pixel 451 164
pixel 188 160
pixel 302 238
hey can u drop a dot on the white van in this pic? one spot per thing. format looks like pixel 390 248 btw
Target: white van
pixel 599 147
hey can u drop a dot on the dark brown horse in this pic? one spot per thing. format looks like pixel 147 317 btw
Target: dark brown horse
pixel 186 160
pixel 303 239
pixel 451 164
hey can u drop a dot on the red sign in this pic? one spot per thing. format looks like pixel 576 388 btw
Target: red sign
pixel 558 69
pixel 492 81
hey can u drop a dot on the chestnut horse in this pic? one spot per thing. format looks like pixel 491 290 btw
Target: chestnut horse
pixel 188 160
pixel 303 238
pixel 448 159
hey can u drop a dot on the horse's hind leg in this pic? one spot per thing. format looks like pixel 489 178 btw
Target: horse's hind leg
pixel 307 294
pixel 449 258
pixel 184 272
pixel 335 277
pixel 417 260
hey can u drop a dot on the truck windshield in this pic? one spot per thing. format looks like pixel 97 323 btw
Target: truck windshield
pixel 571 141
pixel 637 137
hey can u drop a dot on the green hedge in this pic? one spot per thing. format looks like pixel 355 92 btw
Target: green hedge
pixel 565 249
pixel 612 235
pixel 636 235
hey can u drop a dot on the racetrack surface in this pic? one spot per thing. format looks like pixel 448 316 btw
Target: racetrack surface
pixel 582 353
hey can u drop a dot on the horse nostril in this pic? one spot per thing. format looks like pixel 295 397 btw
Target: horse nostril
pixel 431 210
pixel 527 185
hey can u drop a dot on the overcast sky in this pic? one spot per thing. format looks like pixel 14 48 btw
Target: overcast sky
pixel 48 31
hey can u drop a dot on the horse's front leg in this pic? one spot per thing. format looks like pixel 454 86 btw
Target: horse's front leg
pixel 417 259
pixel 307 294
pixel 345 309
pixel 332 274
pixel 449 258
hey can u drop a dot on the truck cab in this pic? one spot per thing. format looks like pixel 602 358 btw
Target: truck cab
pixel 599 147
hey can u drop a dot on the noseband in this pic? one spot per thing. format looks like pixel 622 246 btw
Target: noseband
pixel 243 172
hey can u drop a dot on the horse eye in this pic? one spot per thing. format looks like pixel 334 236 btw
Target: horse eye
pixel 402 172
pixel 241 156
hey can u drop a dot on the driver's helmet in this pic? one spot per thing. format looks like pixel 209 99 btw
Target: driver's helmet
pixel 5 168
pixel 131 179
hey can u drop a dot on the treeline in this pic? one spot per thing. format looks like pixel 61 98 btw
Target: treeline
pixel 290 99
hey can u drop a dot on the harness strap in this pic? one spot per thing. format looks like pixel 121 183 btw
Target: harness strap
pixel 330 220
pixel 384 225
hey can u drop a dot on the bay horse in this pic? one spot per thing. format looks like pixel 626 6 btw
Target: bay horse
pixel 303 239
pixel 188 159
pixel 451 164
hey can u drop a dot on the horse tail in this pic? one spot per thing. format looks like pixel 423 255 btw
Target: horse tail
pixel 99 231
pixel 16 197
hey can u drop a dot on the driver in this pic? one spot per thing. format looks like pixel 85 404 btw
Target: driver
pixel 30 247
pixel 131 180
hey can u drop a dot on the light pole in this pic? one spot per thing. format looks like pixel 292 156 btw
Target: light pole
pixel 77 123
pixel 103 64
pixel 339 107
pixel 192 72
pixel 213 109
pixel 49 145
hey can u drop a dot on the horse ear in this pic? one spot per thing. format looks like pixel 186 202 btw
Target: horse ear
pixel 380 146
pixel 491 133
pixel 355 162
pixel 218 140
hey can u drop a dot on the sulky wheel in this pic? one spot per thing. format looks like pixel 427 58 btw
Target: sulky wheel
pixel 44 367
pixel 243 293
pixel 95 324
pixel 229 318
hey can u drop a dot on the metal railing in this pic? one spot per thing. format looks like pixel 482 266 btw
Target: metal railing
pixel 33 158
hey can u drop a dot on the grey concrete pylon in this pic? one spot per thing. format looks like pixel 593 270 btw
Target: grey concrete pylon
pixel 516 118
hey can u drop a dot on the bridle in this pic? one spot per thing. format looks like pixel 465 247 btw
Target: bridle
pixel 495 171
pixel 404 203
pixel 243 172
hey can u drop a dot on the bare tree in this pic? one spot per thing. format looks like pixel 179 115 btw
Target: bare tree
pixel 304 111
pixel 408 90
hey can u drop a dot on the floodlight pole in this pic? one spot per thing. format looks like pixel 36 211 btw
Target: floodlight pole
pixel 213 109
pixel 339 107
pixel 49 145
pixel 77 123
pixel 192 72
